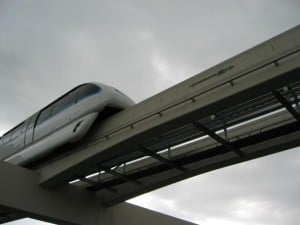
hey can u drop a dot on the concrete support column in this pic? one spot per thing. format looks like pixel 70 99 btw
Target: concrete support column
pixel 21 195
pixel 128 214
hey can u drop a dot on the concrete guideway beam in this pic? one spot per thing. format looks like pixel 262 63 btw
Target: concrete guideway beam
pixel 255 72
pixel 22 195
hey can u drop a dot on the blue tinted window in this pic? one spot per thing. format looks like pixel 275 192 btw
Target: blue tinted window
pixel 56 107
pixel 88 90
pixel 63 103
pixel 17 131
pixel 45 114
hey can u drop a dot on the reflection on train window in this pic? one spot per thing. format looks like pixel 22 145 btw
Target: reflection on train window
pixel 6 138
pixel 58 106
pixel 67 101
pixel 45 114
pixel 63 103
pixel 16 132
pixel 88 90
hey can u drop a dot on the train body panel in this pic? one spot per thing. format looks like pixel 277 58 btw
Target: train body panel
pixel 65 120
pixel 56 138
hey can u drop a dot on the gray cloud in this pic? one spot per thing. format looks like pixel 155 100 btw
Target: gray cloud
pixel 143 47
pixel 261 191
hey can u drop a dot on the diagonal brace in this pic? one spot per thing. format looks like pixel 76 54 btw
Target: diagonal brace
pixel 161 159
pixel 97 184
pixel 219 139
pixel 122 176
pixel 287 105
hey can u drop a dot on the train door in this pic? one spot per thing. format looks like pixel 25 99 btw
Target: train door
pixel 44 124
pixel 29 125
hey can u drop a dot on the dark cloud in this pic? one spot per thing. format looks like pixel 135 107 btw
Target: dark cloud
pixel 143 47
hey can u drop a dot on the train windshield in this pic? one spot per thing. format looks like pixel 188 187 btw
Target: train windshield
pixel 88 90
pixel 57 107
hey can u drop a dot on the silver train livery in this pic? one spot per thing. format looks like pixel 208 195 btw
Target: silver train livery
pixel 66 120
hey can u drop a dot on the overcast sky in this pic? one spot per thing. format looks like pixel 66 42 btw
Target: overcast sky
pixel 142 48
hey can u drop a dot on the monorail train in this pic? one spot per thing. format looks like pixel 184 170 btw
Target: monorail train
pixel 66 120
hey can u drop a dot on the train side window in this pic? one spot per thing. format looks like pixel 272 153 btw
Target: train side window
pixel 45 114
pixel 63 103
pixel 88 90
pixel 6 138
pixel 16 132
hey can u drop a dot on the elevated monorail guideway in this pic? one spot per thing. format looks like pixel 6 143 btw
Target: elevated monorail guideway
pixel 241 109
